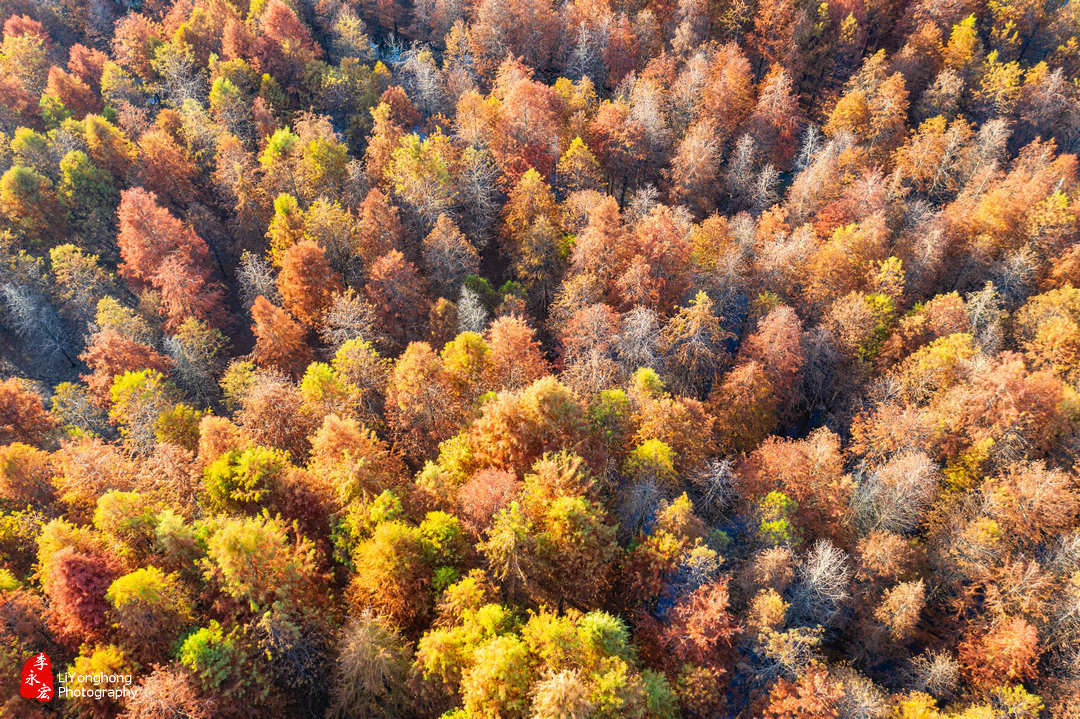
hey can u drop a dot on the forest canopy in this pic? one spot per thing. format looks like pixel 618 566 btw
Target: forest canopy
pixel 520 359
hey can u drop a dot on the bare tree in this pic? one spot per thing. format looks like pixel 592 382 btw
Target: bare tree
pixel 1015 276
pixel 198 359
pixel 936 673
pixel 297 657
pixel 647 104
pixel 199 130
pixel 40 326
pixel 637 507
pixel 989 147
pixel 811 145
pixel 717 487
pixel 765 192
pixel 448 256
pixel 694 169
pixel 694 26
pixel 586 58
pixel 986 314
pixel 180 79
pixel 822 589
pixel 478 198
pixel 639 339
pixel 641 204
pixel 76 409
pixel 740 170
pixel 350 317
pixel 256 277
pixel 895 496
pixel 472 315
pixel 786 654
pixel 695 570
pixel 943 95
pixel 423 81
pixel 862 698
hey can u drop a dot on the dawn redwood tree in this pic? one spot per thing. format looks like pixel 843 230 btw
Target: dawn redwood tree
pixel 352 459
pixel 87 64
pixel 26 476
pixel 600 249
pixel 416 400
pixel 134 42
pixel 110 354
pixel 399 295
pixel 528 200
pixel 643 360
pixel 29 205
pixel 515 357
pixel 23 417
pixel 284 44
pixel 746 406
pixel 809 471
pixel 279 340
pixel 72 92
pixel 378 228
pixel 161 252
pixel 693 344
pixel 778 346
pixel 165 168
pixel 307 283
pixel 701 629
pixel 448 256
pixel 1007 650
pixel 774 120
pixel 187 293
pixel 528 127
pixel 76 584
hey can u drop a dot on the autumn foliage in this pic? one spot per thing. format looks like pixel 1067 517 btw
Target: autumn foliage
pixel 519 359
